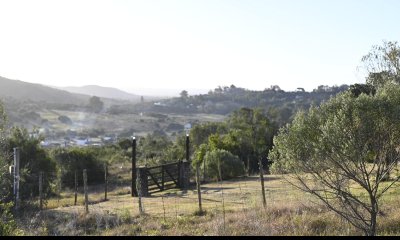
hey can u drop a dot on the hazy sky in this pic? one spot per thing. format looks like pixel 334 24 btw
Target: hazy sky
pixel 188 44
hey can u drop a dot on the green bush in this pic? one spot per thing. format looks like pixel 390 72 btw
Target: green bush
pixel 65 120
pixel 5 177
pixel 228 164
pixel 78 159
pixel 33 160
pixel 8 226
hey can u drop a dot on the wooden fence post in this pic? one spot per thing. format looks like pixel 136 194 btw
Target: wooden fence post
pixel 134 193
pixel 85 190
pixel 105 182
pixel 262 182
pixel 41 190
pixel 198 187
pixel 139 190
pixel 76 187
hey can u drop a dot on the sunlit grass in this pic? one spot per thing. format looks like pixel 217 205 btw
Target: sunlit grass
pixel 231 208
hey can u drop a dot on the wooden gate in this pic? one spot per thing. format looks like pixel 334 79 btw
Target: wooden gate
pixel 163 177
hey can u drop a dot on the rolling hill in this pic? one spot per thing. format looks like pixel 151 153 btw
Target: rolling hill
pixel 104 92
pixel 24 91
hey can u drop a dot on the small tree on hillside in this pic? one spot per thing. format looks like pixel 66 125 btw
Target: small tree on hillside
pixel 95 104
pixel 344 153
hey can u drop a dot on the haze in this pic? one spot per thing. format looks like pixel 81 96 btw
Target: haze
pixel 185 44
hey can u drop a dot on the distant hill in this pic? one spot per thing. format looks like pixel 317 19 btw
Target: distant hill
pixel 280 106
pixel 24 91
pixel 104 92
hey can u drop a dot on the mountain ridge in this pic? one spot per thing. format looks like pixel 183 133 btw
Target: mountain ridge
pixel 103 92
pixel 20 90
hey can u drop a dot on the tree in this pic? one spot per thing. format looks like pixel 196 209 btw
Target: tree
pixel 78 159
pixel 184 94
pixel 33 160
pixel 222 164
pixel 357 89
pixel 382 64
pixel 5 178
pixel 95 104
pixel 344 153
pixel 250 136
pixel 8 226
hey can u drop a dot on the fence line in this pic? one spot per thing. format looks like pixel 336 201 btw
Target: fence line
pixel 238 195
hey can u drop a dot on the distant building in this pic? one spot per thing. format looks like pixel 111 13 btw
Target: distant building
pixel 82 141
pixel 160 104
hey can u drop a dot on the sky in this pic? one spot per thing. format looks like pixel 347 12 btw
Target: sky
pixel 192 44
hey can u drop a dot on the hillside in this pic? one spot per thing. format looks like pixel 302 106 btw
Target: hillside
pixel 24 91
pixel 105 92
pixel 279 105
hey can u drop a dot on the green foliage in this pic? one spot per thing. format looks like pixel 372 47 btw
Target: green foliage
pixel 200 133
pixel 221 164
pixel 8 226
pixel 33 160
pixel 382 64
pixel 125 143
pixel 357 89
pixel 78 159
pixel 199 155
pixel 247 134
pixel 5 177
pixel 156 149
pixel 250 136
pixel 345 140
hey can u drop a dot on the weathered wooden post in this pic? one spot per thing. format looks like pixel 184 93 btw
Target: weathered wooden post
pixel 187 147
pixel 41 190
pixel 184 168
pixel 139 190
pixel 85 190
pixel 76 187
pixel 198 187
pixel 262 181
pixel 16 177
pixel 134 192
pixel 105 181
pixel 142 184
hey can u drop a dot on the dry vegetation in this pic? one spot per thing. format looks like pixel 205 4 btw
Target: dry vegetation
pixel 232 208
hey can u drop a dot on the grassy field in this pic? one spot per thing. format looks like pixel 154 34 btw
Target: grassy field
pixel 231 208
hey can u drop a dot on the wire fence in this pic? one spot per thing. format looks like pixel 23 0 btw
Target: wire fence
pixel 218 198
pixel 115 195
pixel 223 202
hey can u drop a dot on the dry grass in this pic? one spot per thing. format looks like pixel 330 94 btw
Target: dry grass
pixel 288 212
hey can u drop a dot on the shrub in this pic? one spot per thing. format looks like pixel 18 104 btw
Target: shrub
pixel 229 165
pixel 78 159
pixel 65 120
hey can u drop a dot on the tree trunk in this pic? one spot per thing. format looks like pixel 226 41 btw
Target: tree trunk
pixel 371 231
